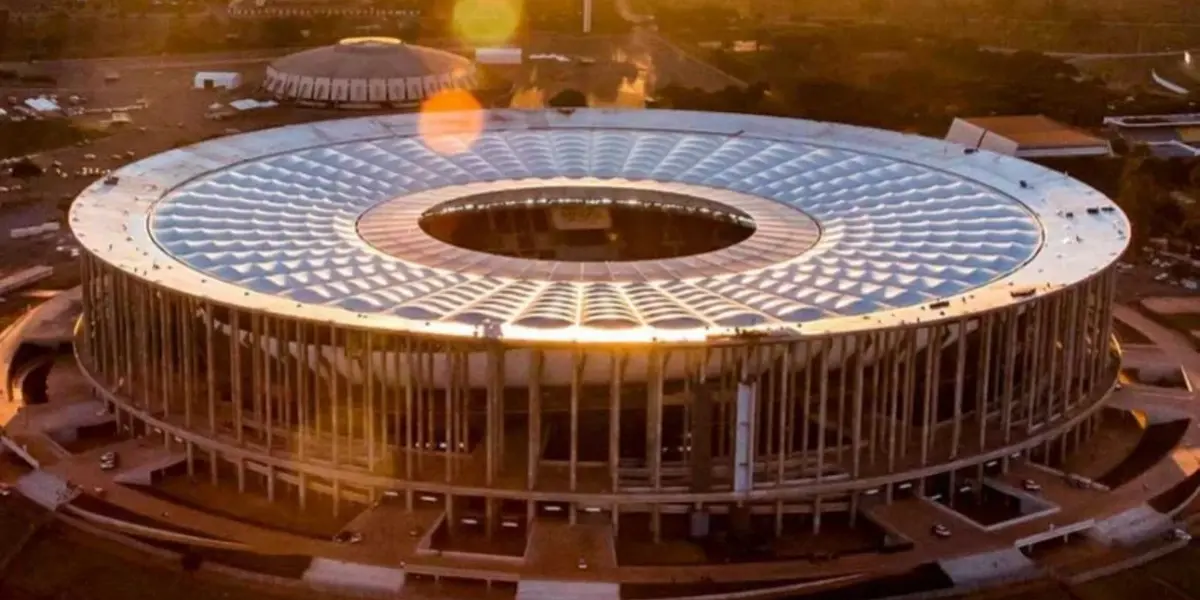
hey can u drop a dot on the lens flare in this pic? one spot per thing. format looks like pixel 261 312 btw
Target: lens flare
pixel 486 22
pixel 450 122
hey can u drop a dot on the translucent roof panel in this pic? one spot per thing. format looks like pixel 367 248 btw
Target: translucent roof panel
pixel 854 227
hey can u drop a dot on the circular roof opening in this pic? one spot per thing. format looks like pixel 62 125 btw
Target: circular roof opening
pixel 587 224
pixel 743 232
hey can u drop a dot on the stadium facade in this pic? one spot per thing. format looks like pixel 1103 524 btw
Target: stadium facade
pixel 842 316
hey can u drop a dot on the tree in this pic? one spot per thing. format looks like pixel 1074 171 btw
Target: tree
pixel 1003 8
pixel 1055 9
pixel 3 28
pixel 872 8
pixel 26 169
pixel 1120 147
pixel 568 98
pixel 190 562
pixel 1194 176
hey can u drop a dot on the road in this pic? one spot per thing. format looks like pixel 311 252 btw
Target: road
pixel 1078 56
pixel 1172 342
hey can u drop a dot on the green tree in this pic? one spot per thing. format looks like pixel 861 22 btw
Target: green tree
pixel 568 98
pixel 872 8
pixel 1003 8
pixel 1056 9
pixel 26 169
pixel 1150 209
pixel 1194 176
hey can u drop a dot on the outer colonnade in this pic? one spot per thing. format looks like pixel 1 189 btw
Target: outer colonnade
pixel 804 427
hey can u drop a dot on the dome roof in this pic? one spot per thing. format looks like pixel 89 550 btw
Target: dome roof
pixel 369 71
pixel 370 58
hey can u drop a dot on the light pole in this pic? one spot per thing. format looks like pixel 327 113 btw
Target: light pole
pixel 587 16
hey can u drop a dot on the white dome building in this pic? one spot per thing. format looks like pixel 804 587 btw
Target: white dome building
pixel 367 73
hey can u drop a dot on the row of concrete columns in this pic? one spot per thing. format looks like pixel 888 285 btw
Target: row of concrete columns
pixel 758 420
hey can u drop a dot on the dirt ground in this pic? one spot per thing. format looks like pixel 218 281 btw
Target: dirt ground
pixel 316 520
pixel 1119 434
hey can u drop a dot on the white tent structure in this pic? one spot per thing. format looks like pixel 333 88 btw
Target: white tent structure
pixel 222 80
pixel 252 104
pixel 367 72
pixel 498 56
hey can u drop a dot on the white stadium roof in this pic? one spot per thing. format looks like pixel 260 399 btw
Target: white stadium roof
pixel 855 228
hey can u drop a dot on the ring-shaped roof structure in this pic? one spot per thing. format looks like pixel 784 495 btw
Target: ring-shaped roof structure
pixel 888 229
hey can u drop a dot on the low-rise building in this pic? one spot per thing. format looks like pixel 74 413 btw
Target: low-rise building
pixel 1167 136
pixel 1026 136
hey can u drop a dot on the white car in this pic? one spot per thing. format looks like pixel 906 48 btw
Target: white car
pixel 5 490
pixel 108 461
pixel 348 537
pixel 941 531
pixel 1030 485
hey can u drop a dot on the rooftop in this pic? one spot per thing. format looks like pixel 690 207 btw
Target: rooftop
pixel 370 58
pixel 855 229
pixel 1036 131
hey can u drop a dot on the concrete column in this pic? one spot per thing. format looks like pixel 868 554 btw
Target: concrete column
pixel 701 425
pixel 654 413
pixel 617 367
pixel 743 478
pixel 534 416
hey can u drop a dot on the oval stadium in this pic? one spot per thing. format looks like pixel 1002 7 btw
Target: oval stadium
pixel 629 344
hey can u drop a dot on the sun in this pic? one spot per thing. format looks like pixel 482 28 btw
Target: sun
pixel 450 122
pixel 482 23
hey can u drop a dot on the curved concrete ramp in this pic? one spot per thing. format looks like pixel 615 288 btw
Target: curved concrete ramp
pixel 48 491
pixel 1132 526
pixel 354 578
pixel 988 566
pixel 561 590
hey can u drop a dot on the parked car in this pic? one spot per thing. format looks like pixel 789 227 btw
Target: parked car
pixel 941 531
pixel 109 461
pixel 348 537
pixel 1030 485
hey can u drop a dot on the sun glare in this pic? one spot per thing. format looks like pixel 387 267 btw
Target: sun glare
pixel 486 22
pixel 451 121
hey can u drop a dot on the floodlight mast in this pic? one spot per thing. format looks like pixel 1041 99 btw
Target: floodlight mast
pixel 587 16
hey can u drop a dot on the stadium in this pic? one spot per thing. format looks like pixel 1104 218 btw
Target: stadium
pixel 664 325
